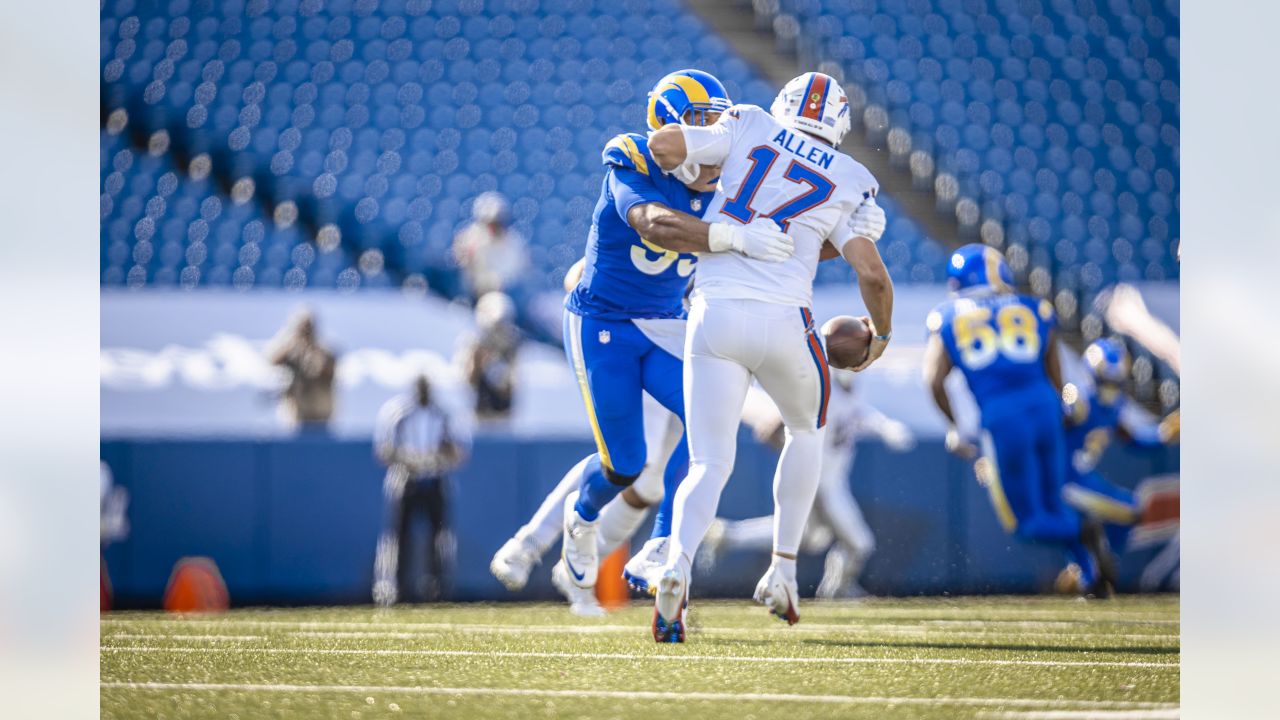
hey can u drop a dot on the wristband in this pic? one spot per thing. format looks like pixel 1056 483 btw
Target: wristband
pixel 883 338
pixel 719 237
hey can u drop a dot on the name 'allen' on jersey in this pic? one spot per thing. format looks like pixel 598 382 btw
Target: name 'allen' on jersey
pixel 811 151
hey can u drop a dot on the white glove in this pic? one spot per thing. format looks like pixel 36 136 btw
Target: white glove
pixel 688 172
pixel 897 436
pixel 762 239
pixel 867 221
pixel 960 445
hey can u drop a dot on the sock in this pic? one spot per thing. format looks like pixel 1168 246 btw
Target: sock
pixel 695 509
pixel 547 523
pixel 794 485
pixel 595 491
pixel 786 566
pixel 677 468
pixel 618 522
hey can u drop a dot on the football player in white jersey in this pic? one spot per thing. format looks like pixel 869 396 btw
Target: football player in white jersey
pixel 752 319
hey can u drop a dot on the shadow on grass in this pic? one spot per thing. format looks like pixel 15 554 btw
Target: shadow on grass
pixel 1171 651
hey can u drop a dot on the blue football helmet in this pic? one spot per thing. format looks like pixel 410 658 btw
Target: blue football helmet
pixel 686 96
pixel 1108 361
pixel 977 265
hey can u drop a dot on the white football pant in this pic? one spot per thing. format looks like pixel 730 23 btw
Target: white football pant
pixel 729 342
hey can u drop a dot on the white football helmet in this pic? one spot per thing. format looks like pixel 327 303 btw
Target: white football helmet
pixel 813 103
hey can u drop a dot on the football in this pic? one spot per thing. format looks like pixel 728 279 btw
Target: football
pixel 848 339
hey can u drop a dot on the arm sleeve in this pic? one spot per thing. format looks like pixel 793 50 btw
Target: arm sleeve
pixel 710 145
pixel 840 234
pixel 630 188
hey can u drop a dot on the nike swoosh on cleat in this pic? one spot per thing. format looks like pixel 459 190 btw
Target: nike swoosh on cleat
pixel 576 575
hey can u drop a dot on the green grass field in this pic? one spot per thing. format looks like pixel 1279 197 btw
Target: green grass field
pixel 917 658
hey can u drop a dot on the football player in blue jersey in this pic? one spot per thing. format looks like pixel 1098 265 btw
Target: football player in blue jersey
pixel 1006 347
pixel 1095 413
pixel 624 322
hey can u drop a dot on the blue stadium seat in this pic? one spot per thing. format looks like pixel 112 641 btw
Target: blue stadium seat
pixel 1088 90
pixel 381 121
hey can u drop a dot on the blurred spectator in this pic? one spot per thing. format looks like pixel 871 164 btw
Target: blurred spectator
pixel 114 502
pixel 419 442
pixel 488 357
pixel 113 525
pixel 491 254
pixel 307 401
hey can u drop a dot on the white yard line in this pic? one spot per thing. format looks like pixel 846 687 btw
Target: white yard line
pixel 1061 624
pixel 938 627
pixel 801 630
pixel 639 695
pixel 161 636
pixel 640 656
pixel 1157 714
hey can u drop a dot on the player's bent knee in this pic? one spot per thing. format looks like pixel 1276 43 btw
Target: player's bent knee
pixel 717 471
pixel 621 479
pixel 647 490
pixel 809 436
pixel 634 497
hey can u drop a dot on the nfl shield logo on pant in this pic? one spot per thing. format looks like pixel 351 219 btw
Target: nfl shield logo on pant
pixel 605 337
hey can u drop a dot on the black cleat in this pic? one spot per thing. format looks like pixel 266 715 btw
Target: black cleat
pixel 1095 540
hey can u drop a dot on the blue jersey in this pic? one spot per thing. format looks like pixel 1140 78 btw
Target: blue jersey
pixel 1091 422
pixel 625 275
pixel 998 341
pixel 1093 418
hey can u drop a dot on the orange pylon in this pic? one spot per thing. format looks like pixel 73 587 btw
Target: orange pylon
pixel 196 586
pixel 611 588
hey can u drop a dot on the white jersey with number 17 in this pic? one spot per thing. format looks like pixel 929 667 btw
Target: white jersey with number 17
pixel 768 170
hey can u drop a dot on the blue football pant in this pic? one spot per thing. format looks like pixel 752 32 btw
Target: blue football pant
pixel 1115 507
pixel 1026 449
pixel 614 362
pixel 677 468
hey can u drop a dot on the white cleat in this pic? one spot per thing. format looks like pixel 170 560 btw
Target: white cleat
pixel 582 601
pixel 513 562
pixel 578 551
pixel 780 595
pixel 385 593
pixel 840 575
pixel 645 567
pixel 670 607
pixel 712 544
